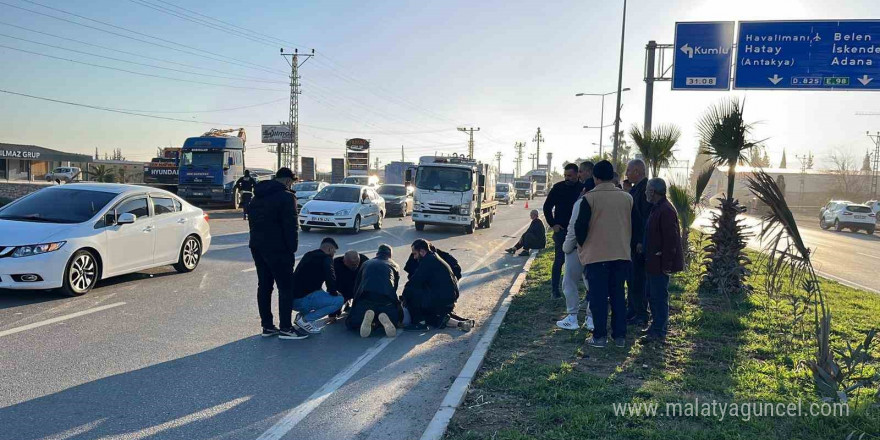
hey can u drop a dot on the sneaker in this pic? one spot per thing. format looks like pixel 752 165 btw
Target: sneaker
pixel 367 324
pixel 269 331
pixel 466 326
pixel 597 342
pixel 588 324
pixel 292 333
pixel 390 329
pixel 420 327
pixel 510 250
pixel 307 326
pixel 570 322
pixel 524 253
pixel 620 342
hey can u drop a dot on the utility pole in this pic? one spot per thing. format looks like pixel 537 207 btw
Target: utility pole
pixel 293 115
pixel 471 140
pixel 619 87
pixel 534 158
pixel 518 147
pixel 377 166
pixel 804 161
pixel 651 49
pixel 538 139
pixel 498 159
pixel 875 163
pixel 402 156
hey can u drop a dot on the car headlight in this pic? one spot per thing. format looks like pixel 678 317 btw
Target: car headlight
pixel 464 209
pixel 304 210
pixel 343 212
pixel 218 190
pixel 37 249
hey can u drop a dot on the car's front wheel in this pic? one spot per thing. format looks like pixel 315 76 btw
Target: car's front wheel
pixel 190 255
pixel 870 231
pixel 81 274
pixel 357 225
pixel 822 223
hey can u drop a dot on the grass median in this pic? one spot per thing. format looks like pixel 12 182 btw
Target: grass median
pixel 541 382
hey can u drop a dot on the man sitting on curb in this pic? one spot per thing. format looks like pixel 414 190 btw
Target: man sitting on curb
pixel 309 299
pixel 534 238
pixel 376 302
pixel 431 292
pixel 663 256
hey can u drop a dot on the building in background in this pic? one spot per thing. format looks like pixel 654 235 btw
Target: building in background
pixel 395 172
pixel 307 170
pixel 30 163
pixel 357 157
pixel 337 170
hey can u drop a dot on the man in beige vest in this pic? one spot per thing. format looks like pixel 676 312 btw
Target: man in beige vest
pixel 603 230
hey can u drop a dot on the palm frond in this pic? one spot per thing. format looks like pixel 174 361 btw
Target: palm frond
pixel 658 146
pixel 724 135
pixel 779 222
pixel 683 203
pixel 703 182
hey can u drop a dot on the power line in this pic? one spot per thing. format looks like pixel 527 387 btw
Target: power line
pixel 137 73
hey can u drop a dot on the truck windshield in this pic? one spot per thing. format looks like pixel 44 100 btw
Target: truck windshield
pixel 339 194
pixel 501 188
pixel 203 158
pixel 523 185
pixel 443 179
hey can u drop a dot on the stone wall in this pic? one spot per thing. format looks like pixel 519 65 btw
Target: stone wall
pixel 14 190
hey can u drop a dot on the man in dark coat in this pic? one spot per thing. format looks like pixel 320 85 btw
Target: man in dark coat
pixel 431 292
pixel 245 186
pixel 274 238
pixel 310 298
pixel 346 268
pixel 375 301
pixel 663 256
pixel 534 238
pixel 557 212
pixel 585 176
pixel 412 263
pixel 637 303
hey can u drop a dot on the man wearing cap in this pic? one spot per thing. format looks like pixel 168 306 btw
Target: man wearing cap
pixel 375 300
pixel 274 238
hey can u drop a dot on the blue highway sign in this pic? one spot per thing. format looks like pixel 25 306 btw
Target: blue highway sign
pixel 808 55
pixel 702 58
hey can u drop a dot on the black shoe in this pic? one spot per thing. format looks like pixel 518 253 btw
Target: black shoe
pixel 420 327
pixel 651 338
pixel 292 333
pixel 524 253
pixel 555 295
pixel 269 331
pixel 510 250
pixel 597 342
pixel 620 342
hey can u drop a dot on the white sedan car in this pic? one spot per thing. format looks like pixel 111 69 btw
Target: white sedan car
pixel 343 207
pixel 70 236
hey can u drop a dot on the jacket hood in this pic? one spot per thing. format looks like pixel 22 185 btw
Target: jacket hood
pixel 268 187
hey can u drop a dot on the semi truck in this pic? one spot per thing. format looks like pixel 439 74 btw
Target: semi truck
pixel 210 165
pixel 453 191
pixel 525 189
pixel 163 171
pixel 541 179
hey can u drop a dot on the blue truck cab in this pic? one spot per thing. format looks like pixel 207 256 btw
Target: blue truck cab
pixel 209 168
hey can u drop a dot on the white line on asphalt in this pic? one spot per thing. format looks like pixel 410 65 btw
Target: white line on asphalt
pixel 364 240
pixel 437 427
pixel 869 255
pixel 253 269
pixel 296 415
pixel 75 431
pixel 847 282
pixel 180 421
pixel 13 331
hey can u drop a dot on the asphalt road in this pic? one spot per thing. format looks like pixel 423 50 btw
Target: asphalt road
pixel 178 356
pixel 849 257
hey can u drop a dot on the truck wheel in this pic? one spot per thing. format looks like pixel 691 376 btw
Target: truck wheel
pixel 420 226
pixel 469 229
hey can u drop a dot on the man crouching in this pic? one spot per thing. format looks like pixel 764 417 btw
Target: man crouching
pixel 375 299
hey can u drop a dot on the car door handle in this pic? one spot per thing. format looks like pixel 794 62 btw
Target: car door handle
pixel 148 229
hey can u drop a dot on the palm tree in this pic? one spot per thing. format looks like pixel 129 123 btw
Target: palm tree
pixel 656 146
pixel 687 206
pixel 101 174
pixel 725 138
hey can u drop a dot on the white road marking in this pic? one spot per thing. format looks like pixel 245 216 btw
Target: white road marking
pixel 868 255
pixel 253 269
pixel 847 282
pixel 364 240
pixel 180 421
pixel 297 414
pixel 15 330
pixel 72 432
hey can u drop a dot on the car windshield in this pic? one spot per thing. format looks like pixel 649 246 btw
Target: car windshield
pixel 57 206
pixel 501 188
pixel 392 190
pixel 306 186
pixel 523 185
pixel 443 179
pixel 859 209
pixel 359 180
pixel 339 194
pixel 203 158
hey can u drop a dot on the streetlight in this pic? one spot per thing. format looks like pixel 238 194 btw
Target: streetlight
pixel 619 85
pixel 602 116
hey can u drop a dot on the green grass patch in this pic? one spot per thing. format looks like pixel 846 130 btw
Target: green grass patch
pixel 541 382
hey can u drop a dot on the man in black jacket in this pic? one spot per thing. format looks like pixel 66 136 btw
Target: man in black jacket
pixel 412 263
pixel 375 301
pixel 310 300
pixel 273 243
pixel 585 176
pixel 245 186
pixel 637 302
pixel 346 269
pixel 431 292
pixel 534 238
pixel 557 212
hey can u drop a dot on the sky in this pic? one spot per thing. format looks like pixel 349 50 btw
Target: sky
pixel 400 73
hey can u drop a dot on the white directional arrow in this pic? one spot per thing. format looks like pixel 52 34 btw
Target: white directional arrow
pixel 776 78
pixel 689 51
pixel 865 80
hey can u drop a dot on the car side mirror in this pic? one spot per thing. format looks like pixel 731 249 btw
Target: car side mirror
pixel 408 177
pixel 126 219
pixel 110 219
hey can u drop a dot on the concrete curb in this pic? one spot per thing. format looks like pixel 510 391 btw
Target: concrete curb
pixel 437 427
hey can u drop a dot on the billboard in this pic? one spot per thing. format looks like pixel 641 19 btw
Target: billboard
pixel 357 144
pixel 308 168
pixel 337 170
pixel 357 157
pixel 277 134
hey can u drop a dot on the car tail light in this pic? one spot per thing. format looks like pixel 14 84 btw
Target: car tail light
pixel 872 215
pixel 206 216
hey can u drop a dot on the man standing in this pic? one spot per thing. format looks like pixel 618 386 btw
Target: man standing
pixel 637 304
pixel 585 176
pixel 310 300
pixel 245 185
pixel 431 292
pixel 534 238
pixel 376 302
pixel 663 256
pixel 273 243
pixel 557 212
pixel 574 272
pixel 603 232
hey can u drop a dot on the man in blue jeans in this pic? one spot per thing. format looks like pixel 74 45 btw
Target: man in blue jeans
pixel 663 257
pixel 602 230
pixel 310 300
